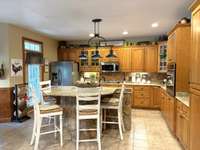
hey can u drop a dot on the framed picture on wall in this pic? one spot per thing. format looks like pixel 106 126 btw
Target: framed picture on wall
pixel 16 67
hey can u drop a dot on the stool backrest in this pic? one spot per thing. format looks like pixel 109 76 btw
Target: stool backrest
pixel 121 97
pixel 88 99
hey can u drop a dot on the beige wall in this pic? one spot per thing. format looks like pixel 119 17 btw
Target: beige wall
pixel 15 35
pixel 4 54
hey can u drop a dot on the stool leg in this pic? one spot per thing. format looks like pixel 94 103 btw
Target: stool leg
pixel 34 132
pixel 98 134
pixel 54 120
pixel 39 121
pixel 61 130
pixel 101 124
pixel 120 125
pixel 123 127
pixel 104 125
pixel 77 133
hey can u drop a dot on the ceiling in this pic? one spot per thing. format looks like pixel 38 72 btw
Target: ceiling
pixel 71 19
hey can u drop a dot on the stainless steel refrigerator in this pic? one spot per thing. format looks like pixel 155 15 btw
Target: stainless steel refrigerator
pixel 64 73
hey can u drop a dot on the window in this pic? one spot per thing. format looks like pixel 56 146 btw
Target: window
pixel 33 72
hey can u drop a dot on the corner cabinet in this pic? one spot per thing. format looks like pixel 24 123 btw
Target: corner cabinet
pixel 195 78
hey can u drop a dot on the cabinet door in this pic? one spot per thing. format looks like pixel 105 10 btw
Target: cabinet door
pixel 156 97
pixel 195 49
pixel 151 59
pixel 185 132
pixel 194 119
pixel 171 113
pixel 62 54
pixel 73 55
pixel 138 59
pixel 125 59
pixel 178 125
pixel 171 48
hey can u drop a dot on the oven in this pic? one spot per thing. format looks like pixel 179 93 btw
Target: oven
pixel 109 67
pixel 171 79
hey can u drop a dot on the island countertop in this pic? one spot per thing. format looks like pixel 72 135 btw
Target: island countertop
pixel 70 91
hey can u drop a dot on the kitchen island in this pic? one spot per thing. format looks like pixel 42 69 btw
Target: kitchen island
pixel 66 97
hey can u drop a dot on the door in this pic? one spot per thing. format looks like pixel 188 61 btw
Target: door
pixel 137 59
pixel 151 59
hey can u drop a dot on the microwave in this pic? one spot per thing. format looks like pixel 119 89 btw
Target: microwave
pixel 109 67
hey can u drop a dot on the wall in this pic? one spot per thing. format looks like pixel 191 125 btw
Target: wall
pixel 14 47
pixel 4 53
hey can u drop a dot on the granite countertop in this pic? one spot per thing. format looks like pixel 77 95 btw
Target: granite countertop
pixel 71 91
pixel 183 97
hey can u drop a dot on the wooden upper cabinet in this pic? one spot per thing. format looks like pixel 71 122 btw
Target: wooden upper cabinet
pixel 171 48
pixel 125 59
pixel 69 54
pixel 137 57
pixel 195 48
pixel 151 59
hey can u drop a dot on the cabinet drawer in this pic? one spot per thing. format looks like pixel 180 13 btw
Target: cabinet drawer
pixel 141 88
pixel 185 111
pixel 142 102
pixel 142 94
pixel 179 105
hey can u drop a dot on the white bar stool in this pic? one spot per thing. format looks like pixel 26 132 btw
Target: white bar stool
pixel 88 108
pixel 45 111
pixel 114 104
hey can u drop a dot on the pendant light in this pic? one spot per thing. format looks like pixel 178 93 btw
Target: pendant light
pixel 96 40
pixel 83 55
pixel 96 55
pixel 111 53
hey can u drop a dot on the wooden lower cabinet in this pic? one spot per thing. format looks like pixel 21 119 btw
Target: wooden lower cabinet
pixel 195 118
pixel 142 96
pixel 182 124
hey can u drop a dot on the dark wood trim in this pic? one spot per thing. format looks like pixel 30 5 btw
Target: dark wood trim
pixel 6 104
pixel 23 56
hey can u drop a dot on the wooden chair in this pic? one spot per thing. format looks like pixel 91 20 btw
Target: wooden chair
pixel 46 86
pixel 41 112
pixel 114 104
pixel 88 108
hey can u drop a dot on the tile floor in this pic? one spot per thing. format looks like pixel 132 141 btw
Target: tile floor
pixel 149 132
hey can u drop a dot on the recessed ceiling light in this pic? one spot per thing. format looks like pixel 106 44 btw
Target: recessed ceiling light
pixel 154 25
pixel 125 32
pixel 91 34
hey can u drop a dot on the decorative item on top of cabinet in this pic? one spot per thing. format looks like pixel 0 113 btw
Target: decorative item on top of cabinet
pixel 162 56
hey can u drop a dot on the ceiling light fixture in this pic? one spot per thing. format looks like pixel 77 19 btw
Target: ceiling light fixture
pixel 96 40
pixel 154 25
pixel 125 32
pixel 91 34
pixel 111 53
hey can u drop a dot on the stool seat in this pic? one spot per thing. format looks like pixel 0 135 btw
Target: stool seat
pixel 88 112
pixel 110 102
pixel 50 109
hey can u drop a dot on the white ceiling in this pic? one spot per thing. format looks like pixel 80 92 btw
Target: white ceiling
pixel 71 19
